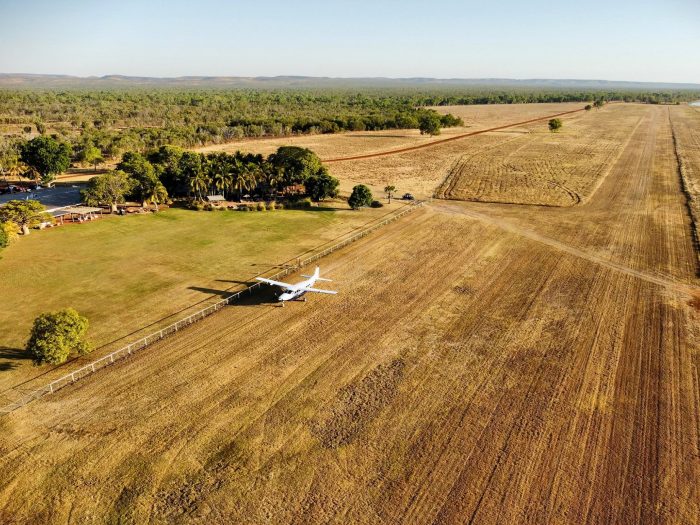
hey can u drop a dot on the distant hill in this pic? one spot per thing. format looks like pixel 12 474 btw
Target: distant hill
pixel 20 81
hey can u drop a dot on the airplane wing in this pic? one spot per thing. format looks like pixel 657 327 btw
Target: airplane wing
pixel 319 291
pixel 286 286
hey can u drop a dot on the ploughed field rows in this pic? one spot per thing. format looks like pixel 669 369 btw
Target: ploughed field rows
pixel 543 168
pixel 685 122
pixel 480 365
pixel 642 193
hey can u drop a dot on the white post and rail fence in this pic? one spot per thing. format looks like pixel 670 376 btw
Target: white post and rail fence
pixel 142 343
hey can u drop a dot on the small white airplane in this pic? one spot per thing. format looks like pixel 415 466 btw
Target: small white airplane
pixel 294 291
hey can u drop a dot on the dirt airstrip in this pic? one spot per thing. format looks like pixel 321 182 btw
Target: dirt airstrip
pixel 483 363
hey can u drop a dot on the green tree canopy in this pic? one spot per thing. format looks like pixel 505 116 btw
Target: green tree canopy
pixel 296 164
pixel 389 190
pixel 24 214
pixel 167 163
pixel 321 185
pixel 555 124
pixel 361 196
pixel 91 154
pixel 142 173
pixel 47 155
pixel 56 335
pixel 110 188
pixel 429 123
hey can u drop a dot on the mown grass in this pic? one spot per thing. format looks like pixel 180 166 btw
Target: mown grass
pixel 125 273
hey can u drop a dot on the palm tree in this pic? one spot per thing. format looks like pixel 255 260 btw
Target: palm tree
pixel 157 194
pixel 239 175
pixel 389 190
pixel 222 181
pixel 199 183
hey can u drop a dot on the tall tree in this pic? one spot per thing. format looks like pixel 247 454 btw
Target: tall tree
pixel 321 186
pixel 110 188
pixel 47 155
pixel 169 170
pixel 92 155
pixel 389 190
pixel 142 173
pixel 429 123
pixel 296 164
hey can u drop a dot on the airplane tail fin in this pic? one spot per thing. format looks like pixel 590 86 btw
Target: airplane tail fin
pixel 317 273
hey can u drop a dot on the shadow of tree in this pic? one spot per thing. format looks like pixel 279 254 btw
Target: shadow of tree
pixel 12 355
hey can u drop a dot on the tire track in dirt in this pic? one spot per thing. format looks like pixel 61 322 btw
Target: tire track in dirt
pixel 664 281
pixel 450 139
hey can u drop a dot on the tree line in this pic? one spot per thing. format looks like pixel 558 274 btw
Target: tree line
pixel 171 171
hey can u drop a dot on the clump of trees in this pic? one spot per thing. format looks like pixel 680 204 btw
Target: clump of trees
pixel 25 214
pixel 57 335
pixel 46 156
pixel 172 172
pixel 555 124
pixel 360 197
pixel 429 124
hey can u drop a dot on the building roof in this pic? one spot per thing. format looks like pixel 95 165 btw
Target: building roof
pixel 76 210
pixel 215 198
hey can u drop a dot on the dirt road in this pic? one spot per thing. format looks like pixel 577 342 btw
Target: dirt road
pixel 449 139
pixel 481 364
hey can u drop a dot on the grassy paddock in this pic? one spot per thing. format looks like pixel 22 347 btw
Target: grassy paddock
pixel 125 273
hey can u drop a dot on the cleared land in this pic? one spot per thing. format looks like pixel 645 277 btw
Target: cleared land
pixel 685 122
pixel 131 274
pixel 415 171
pixel 544 168
pixel 483 364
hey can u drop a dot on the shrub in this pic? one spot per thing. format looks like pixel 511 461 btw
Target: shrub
pixel 261 206
pixel 271 205
pixel 56 335
pixel 555 125
pixel 361 196
pixel 376 204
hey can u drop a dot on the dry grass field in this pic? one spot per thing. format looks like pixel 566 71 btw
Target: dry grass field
pixel 415 171
pixel 685 122
pixel 483 363
pixel 544 168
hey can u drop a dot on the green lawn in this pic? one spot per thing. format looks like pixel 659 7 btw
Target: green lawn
pixel 125 273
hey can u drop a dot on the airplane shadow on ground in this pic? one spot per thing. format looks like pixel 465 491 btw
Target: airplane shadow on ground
pixel 12 355
pixel 262 295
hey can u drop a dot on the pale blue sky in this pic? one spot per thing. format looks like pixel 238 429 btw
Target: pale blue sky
pixel 642 40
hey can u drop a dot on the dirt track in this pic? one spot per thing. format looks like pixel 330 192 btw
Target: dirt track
pixel 449 139
pixel 482 364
